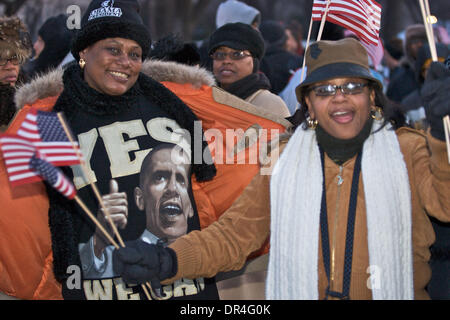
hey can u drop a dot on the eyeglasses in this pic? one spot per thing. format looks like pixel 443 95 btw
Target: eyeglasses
pixel 14 60
pixel 346 88
pixel 234 55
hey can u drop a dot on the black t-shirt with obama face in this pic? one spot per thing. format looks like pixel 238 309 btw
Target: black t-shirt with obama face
pixel 144 178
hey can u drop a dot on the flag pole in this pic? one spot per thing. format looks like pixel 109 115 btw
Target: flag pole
pixel 103 230
pixel 86 175
pixel 322 22
pixel 425 9
pixel 428 13
pixel 97 193
pixel 446 120
pixel 97 223
pixel 428 30
pixel 306 48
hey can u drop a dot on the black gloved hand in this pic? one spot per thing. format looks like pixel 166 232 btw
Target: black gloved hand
pixel 436 97
pixel 139 262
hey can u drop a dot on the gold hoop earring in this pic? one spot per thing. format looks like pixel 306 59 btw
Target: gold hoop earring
pixel 312 123
pixel 82 63
pixel 376 113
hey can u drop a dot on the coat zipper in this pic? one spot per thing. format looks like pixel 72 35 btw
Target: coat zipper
pixel 340 180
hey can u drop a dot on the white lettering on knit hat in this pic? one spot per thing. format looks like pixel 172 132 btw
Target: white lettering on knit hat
pixel 107 10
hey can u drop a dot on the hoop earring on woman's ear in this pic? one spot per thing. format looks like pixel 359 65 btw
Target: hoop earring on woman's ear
pixel 312 123
pixel 376 113
pixel 82 63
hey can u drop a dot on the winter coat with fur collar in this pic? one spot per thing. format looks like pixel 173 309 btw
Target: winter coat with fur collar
pixel 193 85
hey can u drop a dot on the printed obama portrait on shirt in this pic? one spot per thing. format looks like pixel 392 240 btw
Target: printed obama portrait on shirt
pixel 163 195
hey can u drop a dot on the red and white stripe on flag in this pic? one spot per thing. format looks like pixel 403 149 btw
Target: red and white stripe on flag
pixel 64 186
pixel 362 17
pixel 59 152
pixel 17 153
pixel 24 164
pixel 53 175
pixel 40 143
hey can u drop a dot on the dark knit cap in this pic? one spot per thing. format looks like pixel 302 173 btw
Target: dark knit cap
pixel 55 29
pixel 111 19
pixel 173 48
pixel 238 36
pixel 273 32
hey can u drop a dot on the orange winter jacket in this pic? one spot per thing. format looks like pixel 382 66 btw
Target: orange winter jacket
pixel 26 255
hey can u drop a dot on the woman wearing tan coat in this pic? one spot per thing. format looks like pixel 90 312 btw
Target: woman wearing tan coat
pixel 346 204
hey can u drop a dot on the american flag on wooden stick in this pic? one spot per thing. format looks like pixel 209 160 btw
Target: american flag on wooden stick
pixel 40 136
pixel 47 134
pixel 54 176
pixel 363 17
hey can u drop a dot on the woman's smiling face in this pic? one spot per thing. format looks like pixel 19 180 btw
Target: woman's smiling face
pixel 112 65
pixel 228 71
pixel 341 115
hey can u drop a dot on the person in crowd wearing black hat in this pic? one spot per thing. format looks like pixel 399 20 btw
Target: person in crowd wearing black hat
pixel 51 47
pixel 15 49
pixel 346 203
pixel 236 50
pixel 278 64
pixel 173 48
pixel 118 114
pixel 230 11
pixel 436 83
pixel 403 81
pixel 412 104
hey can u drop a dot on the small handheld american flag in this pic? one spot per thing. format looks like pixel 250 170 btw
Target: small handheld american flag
pixel 40 137
pixel 363 17
pixel 54 176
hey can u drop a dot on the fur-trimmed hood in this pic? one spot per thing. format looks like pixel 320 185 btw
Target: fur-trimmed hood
pixel 50 84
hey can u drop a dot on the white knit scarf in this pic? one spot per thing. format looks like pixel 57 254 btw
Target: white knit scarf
pixel 296 191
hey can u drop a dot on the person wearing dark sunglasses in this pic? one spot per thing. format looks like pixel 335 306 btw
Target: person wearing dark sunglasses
pixel 348 201
pixel 236 50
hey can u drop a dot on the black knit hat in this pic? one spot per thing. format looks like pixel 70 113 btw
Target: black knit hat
pixel 238 36
pixel 273 32
pixel 110 19
pixel 54 29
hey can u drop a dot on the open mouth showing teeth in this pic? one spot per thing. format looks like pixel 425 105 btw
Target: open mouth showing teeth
pixel 119 74
pixel 341 113
pixel 170 209
pixel 342 116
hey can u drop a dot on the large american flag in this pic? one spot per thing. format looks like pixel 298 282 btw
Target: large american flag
pixel 40 135
pixel 363 17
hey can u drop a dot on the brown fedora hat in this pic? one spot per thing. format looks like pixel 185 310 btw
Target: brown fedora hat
pixel 336 59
